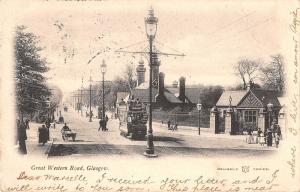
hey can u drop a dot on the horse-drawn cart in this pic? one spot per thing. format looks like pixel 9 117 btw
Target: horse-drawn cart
pixel 68 134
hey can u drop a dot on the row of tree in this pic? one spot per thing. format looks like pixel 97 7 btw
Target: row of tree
pixel 32 92
pixel 266 75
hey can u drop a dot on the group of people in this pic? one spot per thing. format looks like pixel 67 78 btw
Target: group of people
pixel 103 124
pixel 266 137
pixel 172 127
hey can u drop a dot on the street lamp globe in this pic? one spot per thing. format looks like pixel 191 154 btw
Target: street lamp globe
pixel 103 67
pixel 270 106
pixel 151 24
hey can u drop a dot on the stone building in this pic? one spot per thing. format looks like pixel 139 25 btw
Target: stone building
pixel 237 111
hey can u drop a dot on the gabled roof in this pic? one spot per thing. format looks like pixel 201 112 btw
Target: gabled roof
pixel 267 96
pixel 192 94
pixel 171 97
pixel 264 96
pixel 236 97
pixel 143 94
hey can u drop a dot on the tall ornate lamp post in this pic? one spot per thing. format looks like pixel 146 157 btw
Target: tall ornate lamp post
pixel 151 26
pixel 199 107
pixel 270 108
pixel 103 71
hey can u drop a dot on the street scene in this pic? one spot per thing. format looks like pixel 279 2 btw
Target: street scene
pixel 125 84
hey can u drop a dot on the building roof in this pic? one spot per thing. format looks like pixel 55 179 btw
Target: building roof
pixel 236 96
pixel 264 96
pixel 143 94
pixel 171 97
pixel 192 94
pixel 121 95
pixel 267 96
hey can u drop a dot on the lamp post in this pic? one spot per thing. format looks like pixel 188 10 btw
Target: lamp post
pixel 103 71
pixel 151 26
pixel 199 107
pixel 270 108
pixel 90 99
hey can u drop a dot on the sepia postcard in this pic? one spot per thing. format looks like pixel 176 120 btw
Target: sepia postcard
pixel 162 96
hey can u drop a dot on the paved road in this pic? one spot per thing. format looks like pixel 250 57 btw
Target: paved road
pixel 90 141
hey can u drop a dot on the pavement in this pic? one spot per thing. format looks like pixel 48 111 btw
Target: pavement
pixel 184 141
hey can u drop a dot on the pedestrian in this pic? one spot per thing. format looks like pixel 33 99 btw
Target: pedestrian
pixel 259 134
pixel 175 126
pixel 269 137
pixel 106 118
pixel 169 124
pixel 104 125
pixel 48 123
pixel 22 137
pixel 27 124
pixel 279 132
pixel 250 135
pixel 100 125
pixel 91 114
pixel 265 136
pixel 277 138
pixel 43 134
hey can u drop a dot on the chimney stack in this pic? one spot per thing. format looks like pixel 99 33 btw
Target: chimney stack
pixel 140 70
pixel 182 89
pixel 155 67
pixel 161 84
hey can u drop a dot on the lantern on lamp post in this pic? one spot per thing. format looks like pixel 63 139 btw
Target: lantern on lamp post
pixel 199 107
pixel 151 27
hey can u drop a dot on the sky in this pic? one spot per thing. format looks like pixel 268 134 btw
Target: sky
pixel 213 35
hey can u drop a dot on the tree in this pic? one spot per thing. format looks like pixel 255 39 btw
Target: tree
pixel 129 76
pixel 247 70
pixel 31 88
pixel 273 74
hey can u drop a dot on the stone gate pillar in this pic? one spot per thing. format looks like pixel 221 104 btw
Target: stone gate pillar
pixel 261 119
pixel 214 119
pixel 229 122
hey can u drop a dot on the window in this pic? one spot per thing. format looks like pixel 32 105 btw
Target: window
pixel 250 116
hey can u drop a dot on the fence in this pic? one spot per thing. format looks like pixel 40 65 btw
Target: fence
pixel 184 119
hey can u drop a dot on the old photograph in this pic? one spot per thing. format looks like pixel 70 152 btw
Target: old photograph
pixel 151 81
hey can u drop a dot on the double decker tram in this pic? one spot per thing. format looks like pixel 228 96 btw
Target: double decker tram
pixel 132 119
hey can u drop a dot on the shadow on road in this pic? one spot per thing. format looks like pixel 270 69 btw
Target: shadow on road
pixel 161 138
